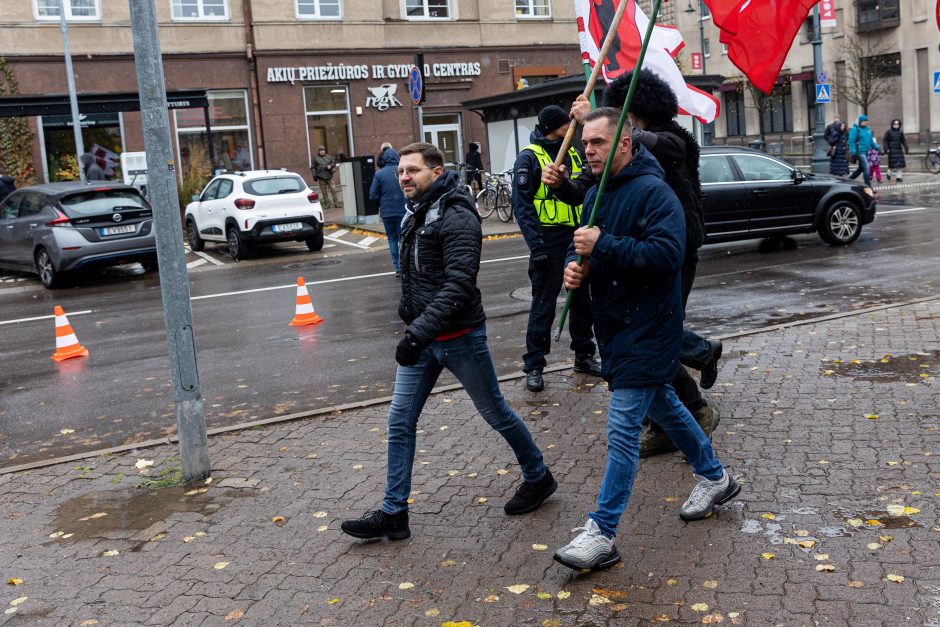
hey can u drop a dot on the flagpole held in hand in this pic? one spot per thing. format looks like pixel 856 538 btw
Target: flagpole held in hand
pixel 623 118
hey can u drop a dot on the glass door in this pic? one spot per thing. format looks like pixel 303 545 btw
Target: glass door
pixel 444 132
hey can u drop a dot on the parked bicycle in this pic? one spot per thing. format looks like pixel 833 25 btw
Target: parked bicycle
pixel 465 174
pixel 496 195
pixel 932 160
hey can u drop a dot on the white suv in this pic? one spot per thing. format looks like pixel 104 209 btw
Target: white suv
pixel 241 208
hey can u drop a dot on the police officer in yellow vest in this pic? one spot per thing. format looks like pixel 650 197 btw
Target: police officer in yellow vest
pixel 548 225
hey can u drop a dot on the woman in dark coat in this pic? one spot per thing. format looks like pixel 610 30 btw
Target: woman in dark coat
pixel 895 145
pixel 838 161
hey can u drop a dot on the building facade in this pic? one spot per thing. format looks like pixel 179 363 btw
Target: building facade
pixel 895 41
pixel 286 76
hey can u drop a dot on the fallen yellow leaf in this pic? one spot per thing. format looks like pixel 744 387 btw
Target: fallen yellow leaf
pixel 189 539
pixel 821 557
pixel 143 463
pixel 563 594
pixel 463 623
pixel 502 471
pixel 319 514
pixel 871 522
pixel 711 584
pixel 874 545
pixel 895 578
pixel 872 416
pixel 93 516
pixel 17 601
pixel 856 584
pixel 768 556
pixel 88 623
pixel 221 565
pixel 618 607
pixel 14 581
pixel 493 598
pixel 661 618
pixel 234 615
pixel 713 619
pixel 544 595
pixel 700 607
pixel 671 582
pixel 768 516
pixel 807 544
pixel 900 510
pixel 519 588
pixel 597 599
pixel 406 585
pixel 158 537
pixel 802 533
pixel 111 553
pixel 431 613
pixel 322 528
pixel 482 499
pixel 67 431
pixel 539 547
pixel 855 522
pixel 333 601
pixel 277 519
pixel 828 568
pixel 886 538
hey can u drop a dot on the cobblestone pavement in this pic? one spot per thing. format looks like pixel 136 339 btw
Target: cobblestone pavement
pixel 832 427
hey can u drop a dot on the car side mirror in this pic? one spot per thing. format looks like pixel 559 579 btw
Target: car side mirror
pixel 798 177
pixel 195 197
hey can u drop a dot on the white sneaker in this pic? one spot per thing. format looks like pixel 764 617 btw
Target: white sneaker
pixel 707 494
pixel 590 549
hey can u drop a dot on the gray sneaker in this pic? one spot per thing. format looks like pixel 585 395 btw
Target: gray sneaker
pixel 590 549
pixel 707 494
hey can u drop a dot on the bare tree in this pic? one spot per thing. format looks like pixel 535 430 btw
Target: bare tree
pixel 866 74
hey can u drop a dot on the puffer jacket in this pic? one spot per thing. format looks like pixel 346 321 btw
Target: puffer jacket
pixel 634 275
pixel 385 187
pixel 441 241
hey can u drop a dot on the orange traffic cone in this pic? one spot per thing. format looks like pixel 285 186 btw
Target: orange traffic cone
pixel 305 314
pixel 66 344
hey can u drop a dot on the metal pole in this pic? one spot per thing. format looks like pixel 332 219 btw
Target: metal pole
pixel 701 32
pixel 174 281
pixel 73 98
pixel 820 160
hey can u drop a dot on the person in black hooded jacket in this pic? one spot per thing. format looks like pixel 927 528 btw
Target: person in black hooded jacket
pixel 652 111
pixel 441 242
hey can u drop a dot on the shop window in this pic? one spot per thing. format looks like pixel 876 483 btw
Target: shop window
pixel 533 8
pixel 734 113
pixel 200 9
pixel 74 9
pixel 427 9
pixel 328 125
pixel 778 110
pixel 231 134
pixel 101 136
pixel 319 9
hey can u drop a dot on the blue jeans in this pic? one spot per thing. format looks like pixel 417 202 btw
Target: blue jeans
pixel 862 169
pixel 624 421
pixel 468 358
pixel 393 231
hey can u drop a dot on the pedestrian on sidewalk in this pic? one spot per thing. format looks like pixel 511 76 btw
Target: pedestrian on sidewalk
pixel 323 168
pixel 895 146
pixel 380 159
pixel 474 161
pixel 838 151
pixel 860 142
pixel 446 328
pixel 547 224
pixel 653 111
pixel 874 164
pixel 387 191
pixel 633 262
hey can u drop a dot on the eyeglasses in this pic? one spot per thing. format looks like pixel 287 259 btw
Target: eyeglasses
pixel 410 171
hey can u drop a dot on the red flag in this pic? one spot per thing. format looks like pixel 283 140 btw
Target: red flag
pixel 725 12
pixel 938 14
pixel 760 34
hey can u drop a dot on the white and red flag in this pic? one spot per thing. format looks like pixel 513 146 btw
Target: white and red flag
pixel 594 20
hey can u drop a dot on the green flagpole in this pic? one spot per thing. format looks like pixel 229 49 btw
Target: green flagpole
pixel 610 157
pixel 587 75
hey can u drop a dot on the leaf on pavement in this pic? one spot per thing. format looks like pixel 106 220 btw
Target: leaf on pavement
pixel 19 600
pixel 111 553
pixel 482 499
pixel 874 545
pixel 895 578
pixel 886 538
pixel 493 598
pixel 661 618
pixel 143 463
pixel 234 615
pixel 855 522
pixel 598 599
pixel 88 623
pixel 825 568
pixel 406 585
pixel 319 514
pixel 802 533
pixel 220 565
pixel 768 516
pixel 518 588
pixel 502 471
pixel 333 601
pixel 713 619
pixel 671 582
pixel 93 516
pixel 322 528
pixel 900 510
pixel 543 595
pixel 431 613
pixel 463 623
pixel 189 539
pixel 539 547
pixel 700 607
pixel 768 556
pixel 807 544
pixel 277 519
pixel 856 584
pixel 67 431
pixel 711 584
pixel 821 557
pixel 563 594
pixel 872 416
pixel 14 581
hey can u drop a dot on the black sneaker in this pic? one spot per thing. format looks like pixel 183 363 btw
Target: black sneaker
pixel 534 382
pixel 586 364
pixel 378 524
pixel 530 495
pixel 710 371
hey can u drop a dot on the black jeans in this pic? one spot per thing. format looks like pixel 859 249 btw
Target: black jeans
pixel 686 388
pixel 546 285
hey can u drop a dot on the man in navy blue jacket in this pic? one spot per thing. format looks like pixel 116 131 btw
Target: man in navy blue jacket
pixel 632 261
pixel 386 190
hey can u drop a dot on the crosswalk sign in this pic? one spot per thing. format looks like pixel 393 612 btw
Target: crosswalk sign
pixel 936 82
pixel 822 93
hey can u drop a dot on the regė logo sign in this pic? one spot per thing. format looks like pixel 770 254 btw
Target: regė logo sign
pixel 383 97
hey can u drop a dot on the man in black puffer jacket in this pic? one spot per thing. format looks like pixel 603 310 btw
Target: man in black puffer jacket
pixel 441 241
pixel 653 110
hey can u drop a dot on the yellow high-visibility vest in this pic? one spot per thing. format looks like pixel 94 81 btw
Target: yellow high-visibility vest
pixel 552 211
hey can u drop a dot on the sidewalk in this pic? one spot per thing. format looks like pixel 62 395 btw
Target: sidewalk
pixel 492 226
pixel 832 426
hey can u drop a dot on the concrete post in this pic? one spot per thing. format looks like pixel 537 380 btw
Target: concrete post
pixel 73 97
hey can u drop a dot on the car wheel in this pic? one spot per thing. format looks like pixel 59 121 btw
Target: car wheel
pixel 196 243
pixel 236 245
pixel 841 224
pixel 315 242
pixel 45 268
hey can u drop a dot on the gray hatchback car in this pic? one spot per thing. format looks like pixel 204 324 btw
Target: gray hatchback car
pixel 55 229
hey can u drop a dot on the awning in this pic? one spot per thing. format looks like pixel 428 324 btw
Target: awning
pixel 58 104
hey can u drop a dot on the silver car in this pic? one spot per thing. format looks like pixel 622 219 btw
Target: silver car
pixel 55 229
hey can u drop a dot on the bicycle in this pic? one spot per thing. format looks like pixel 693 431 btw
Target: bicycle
pixel 932 160
pixel 496 195
pixel 465 174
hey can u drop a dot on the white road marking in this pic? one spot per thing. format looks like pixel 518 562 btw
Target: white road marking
pixel 329 246
pixel 195 263
pixel 68 313
pixel 368 241
pixel 338 233
pixel 211 259
pixel 890 211
pixel 342 241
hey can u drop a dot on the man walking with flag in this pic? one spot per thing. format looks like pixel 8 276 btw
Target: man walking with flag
pixel 632 263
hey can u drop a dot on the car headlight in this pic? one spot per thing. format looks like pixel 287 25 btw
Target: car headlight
pixel 869 191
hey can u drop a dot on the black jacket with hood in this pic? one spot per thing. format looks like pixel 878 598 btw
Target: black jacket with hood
pixel 441 240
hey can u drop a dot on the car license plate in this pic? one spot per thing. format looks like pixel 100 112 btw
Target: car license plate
pixel 293 226
pixel 118 230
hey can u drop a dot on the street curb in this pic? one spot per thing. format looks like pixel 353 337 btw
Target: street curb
pixel 338 409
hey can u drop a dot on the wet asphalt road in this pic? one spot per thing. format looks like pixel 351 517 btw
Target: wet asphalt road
pixel 253 365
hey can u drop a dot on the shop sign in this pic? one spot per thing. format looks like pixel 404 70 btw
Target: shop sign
pixel 344 72
pixel 85 119
pixel 383 97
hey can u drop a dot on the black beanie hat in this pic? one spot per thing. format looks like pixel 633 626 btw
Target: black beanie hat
pixel 653 100
pixel 551 118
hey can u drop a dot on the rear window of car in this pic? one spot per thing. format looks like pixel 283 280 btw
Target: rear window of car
pixel 94 202
pixel 275 185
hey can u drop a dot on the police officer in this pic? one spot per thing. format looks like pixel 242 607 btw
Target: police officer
pixel 548 225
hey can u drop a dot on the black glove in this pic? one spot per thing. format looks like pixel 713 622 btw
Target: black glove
pixel 409 351
pixel 541 261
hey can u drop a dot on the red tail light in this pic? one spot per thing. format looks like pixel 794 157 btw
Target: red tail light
pixel 244 203
pixel 313 197
pixel 59 220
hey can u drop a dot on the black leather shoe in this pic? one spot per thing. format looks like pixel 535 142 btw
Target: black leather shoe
pixel 378 524
pixel 534 382
pixel 586 364
pixel 710 371
pixel 530 495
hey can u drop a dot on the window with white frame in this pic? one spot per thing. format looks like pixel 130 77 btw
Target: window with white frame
pixel 74 9
pixel 427 9
pixel 200 9
pixel 533 8
pixel 319 9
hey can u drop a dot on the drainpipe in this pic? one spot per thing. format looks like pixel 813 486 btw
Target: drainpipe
pixel 253 77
